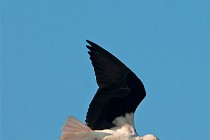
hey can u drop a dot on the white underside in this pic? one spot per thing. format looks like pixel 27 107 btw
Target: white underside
pixel 124 130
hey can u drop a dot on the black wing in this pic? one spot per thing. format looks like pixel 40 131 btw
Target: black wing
pixel 120 91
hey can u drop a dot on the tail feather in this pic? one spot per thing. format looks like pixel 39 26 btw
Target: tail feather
pixel 75 130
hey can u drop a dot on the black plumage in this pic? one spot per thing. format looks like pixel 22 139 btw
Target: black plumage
pixel 120 90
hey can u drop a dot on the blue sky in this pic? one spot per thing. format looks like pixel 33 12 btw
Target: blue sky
pixel 46 74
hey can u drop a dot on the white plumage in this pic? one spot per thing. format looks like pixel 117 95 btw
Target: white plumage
pixel 124 130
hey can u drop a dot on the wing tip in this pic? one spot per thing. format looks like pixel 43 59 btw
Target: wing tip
pixel 88 41
pixel 92 44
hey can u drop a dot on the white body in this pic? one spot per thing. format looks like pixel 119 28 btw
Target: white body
pixel 124 130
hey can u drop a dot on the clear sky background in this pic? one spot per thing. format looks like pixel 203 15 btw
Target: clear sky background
pixel 46 74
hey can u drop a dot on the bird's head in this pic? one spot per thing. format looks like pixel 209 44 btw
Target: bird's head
pixel 150 137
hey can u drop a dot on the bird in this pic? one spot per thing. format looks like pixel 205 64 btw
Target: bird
pixel 110 115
